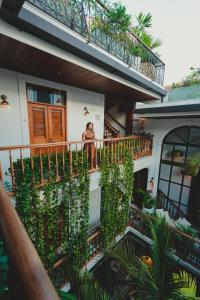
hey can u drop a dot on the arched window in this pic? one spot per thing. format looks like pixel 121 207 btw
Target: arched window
pixel 177 147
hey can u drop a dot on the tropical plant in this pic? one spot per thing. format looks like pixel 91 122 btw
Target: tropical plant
pixel 144 21
pixel 147 200
pixel 183 246
pixel 191 79
pixel 161 281
pixel 192 167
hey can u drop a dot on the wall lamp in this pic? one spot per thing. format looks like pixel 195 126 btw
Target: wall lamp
pixel 4 102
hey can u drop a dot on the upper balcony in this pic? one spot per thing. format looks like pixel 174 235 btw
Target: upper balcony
pixel 89 19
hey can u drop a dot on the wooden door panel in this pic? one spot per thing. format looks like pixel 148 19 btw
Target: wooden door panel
pixel 38 123
pixel 47 125
pixel 56 117
pixel 57 125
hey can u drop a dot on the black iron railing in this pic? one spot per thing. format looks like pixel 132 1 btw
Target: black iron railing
pixel 90 19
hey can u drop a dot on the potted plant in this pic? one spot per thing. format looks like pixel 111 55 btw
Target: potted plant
pixel 192 167
pixel 176 154
pixel 148 202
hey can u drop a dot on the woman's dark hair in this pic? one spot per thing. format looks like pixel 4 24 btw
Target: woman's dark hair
pixel 88 124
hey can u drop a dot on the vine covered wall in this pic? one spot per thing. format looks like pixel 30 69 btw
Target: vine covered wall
pixel 117 189
pixel 55 215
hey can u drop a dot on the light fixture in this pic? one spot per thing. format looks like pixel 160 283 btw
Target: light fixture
pixel 4 102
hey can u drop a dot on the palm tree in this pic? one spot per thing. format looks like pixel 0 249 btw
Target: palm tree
pixel 164 279
pixel 143 23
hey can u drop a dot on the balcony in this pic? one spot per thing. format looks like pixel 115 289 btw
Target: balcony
pixel 88 19
pixel 56 161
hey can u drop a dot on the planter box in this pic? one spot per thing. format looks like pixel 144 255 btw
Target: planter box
pixel 148 69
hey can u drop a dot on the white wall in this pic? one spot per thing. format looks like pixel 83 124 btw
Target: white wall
pixel 14 122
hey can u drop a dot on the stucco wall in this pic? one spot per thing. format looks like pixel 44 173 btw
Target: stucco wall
pixel 14 120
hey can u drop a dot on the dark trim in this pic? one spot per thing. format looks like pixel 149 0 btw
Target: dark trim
pixel 34 24
pixel 174 117
pixel 168 109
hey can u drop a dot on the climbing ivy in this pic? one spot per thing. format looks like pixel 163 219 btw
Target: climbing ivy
pixel 55 215
pixel 117 188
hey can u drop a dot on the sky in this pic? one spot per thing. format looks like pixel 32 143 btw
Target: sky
pixel 177 24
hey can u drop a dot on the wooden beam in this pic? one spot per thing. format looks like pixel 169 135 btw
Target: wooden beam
pixel 129 117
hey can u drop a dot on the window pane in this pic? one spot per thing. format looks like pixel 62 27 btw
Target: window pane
pixel 192 150
pixel 185 195
pixel 166 152
pixel 184 209
pixel 177 174
pixel 174 192
pixel 165 171
pixel 179 154
pixel 163 186
pixel 182 133
pixel 195 135
pixel 45 95
pixel 173 138
pixel 187 180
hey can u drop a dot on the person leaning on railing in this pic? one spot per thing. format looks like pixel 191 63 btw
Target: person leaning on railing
pixel 89 134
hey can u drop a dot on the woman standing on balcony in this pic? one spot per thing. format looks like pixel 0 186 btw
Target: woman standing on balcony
pixel 87 135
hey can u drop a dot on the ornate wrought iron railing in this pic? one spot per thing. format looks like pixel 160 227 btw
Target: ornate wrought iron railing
pixel 185 246
pixel 168 204
pixel 90 19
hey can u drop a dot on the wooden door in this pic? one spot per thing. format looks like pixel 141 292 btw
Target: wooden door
pixel 47 123
pixel 56 124
pixel 38 123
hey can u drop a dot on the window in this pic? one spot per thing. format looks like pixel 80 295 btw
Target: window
pixel 177 147
pixel 46 95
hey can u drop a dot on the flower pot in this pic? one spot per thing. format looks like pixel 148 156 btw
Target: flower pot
pixel 149 211
pixel 148 69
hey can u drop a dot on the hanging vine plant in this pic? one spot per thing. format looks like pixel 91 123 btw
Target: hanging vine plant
pixel 42 209
pixel 117 189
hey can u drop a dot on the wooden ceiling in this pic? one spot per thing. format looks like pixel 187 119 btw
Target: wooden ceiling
pixel 23 58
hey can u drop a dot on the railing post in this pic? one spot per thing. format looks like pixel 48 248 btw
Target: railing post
pixel 1 172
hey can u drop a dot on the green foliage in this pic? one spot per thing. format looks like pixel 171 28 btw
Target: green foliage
pixel 148 200
pixel 117 24
pixel 182 244
pixel 143 23
pixel 3 269
pixel 191 79
pixel 117 188
pixel 55 214
pixel 88 288
pixel 118 18
pixel 192 167
pixel 161 281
